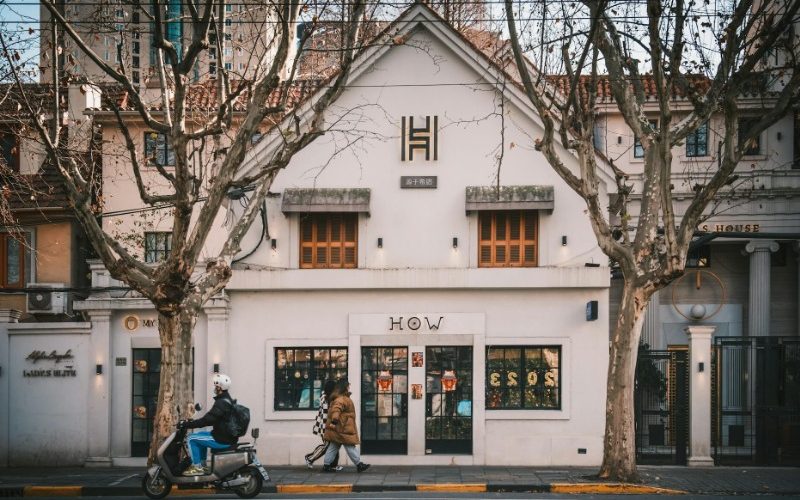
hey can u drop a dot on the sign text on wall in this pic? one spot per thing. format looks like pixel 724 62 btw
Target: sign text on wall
pixel 730 228
pixel 37 355
pixel 418 182
pixel 415 323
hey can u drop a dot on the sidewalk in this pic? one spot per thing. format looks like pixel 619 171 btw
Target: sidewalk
pixel 716 480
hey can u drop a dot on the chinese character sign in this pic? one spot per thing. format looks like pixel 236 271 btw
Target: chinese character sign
pixel 423 139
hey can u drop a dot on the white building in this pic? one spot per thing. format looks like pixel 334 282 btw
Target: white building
pixel 471 319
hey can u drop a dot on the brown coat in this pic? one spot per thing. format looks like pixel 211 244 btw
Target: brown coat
pixel 342 411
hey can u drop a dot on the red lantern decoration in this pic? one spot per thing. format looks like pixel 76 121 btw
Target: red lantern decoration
pixel 449 380
pixel 385 381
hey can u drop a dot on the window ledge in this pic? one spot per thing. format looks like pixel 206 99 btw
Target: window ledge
pixel 436 278
pixel 527 414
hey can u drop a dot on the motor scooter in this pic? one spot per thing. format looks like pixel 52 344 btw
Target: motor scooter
pixel 235 469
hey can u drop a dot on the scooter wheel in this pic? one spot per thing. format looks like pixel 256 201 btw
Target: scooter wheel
pixel 253 486
pixel 156 487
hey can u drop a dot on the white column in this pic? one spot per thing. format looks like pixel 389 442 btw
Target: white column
pixel 700 394
pixel 758 323
pixel 216 348
pixel 797 257
pixel 651 330
pixel 6 316
pixel 99 421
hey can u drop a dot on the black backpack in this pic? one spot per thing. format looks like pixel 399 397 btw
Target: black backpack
pixel 238 420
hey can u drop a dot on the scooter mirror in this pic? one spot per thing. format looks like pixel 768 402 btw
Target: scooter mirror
pixel 198 407
pixel 254 432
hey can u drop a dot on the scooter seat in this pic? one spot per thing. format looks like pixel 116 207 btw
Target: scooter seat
pixel 229 449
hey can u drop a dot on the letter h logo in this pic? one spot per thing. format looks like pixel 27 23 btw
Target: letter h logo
pixel 419 138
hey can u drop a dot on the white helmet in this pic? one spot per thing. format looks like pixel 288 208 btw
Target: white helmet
pixel 222 381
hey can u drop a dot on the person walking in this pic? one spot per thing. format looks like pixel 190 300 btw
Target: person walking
pixel 341 429
pixel 319 427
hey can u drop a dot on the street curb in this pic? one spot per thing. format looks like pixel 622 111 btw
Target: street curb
pixel 569 488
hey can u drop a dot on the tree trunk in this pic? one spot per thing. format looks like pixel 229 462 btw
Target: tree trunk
pixel 619 450
pixel 175 392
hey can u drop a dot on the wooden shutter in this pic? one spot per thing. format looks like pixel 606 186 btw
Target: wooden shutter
pixel 328 240
pixel 508 238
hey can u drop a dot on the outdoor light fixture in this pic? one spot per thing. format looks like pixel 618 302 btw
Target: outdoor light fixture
pixel 98 369
pixel 780 136
pixel 455 242
pixel 273 243
pixel 619 139
pixel 1 370
pixel 215 368
pixel 701 367
pixel 563 241
pixel 380 242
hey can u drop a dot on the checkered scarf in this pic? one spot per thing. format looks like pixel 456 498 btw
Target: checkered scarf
pixel 322 416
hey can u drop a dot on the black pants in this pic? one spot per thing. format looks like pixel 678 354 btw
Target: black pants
pixel 319 452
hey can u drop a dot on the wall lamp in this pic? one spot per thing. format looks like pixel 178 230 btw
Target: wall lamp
pixel 215 368
pixel 701 367
pixel 1 370
pixel 780 136
pixel 380 242
pixel 98 369
pixel 619 139
pixel 563 241
pixel 273 243
pixel 455 242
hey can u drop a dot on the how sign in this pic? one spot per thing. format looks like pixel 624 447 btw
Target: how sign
pixel 415 323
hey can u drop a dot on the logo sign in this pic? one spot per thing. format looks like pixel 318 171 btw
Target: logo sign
pixel 418 182
pixel 35 356
pixel 132 322
pixel 423 139
pixel 415 323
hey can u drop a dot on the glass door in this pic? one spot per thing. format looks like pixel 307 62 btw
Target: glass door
pixel 384 400
pixel 448 404
pixel 146 380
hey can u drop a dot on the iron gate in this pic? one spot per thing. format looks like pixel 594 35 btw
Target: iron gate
pixel 661 405
pixel 755 414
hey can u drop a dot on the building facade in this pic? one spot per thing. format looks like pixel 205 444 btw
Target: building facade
pixel 458 306
pixel 423 249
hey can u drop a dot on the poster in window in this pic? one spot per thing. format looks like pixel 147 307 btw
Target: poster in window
pixel 417 359
pixel 416 391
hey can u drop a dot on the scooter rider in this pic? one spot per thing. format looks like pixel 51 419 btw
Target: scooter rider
pixel 217 438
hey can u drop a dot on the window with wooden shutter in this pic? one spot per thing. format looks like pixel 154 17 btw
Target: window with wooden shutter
pixel 328 241
pixel 508 238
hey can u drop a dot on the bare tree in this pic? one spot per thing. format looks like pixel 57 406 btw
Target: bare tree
pixel 192 193
pixel 709 55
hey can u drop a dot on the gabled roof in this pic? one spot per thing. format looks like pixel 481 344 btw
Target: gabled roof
pixel 485 53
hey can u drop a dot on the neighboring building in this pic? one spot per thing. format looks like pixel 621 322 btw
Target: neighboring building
pixel 43 271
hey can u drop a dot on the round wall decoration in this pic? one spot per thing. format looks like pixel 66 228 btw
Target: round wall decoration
pixel 131 323
pixel 697 312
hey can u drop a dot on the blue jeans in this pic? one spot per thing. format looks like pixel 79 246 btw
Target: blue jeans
pixel 199 443
pixel 332 452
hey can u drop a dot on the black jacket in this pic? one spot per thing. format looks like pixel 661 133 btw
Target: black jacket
pixel 216 416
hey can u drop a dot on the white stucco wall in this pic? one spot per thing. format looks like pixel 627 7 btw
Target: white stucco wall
pixel 47 420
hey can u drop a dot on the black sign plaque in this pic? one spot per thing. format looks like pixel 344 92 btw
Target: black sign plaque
pixel 418 182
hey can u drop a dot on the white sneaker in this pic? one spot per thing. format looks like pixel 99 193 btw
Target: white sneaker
pixel 308 463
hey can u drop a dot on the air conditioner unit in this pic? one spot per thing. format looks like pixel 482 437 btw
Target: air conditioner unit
pixel 53 301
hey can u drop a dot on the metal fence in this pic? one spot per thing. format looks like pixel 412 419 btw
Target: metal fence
pixel 661 404
pixel 756 400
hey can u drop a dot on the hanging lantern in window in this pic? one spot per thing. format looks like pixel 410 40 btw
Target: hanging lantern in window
pixel 449 380
pixel 385 381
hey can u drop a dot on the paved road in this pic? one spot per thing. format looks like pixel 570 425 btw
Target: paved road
pixel 446 496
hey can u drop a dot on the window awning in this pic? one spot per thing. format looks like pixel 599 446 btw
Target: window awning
pixel 325 200
pixel 509 198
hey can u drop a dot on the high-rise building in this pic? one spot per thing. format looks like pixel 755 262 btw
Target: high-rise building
pixel 123 35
